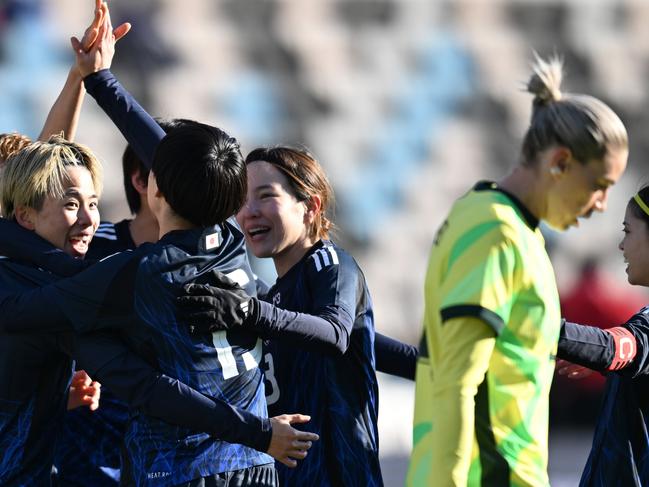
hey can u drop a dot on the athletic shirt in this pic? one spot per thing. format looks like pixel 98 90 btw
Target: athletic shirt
pixel 619 456
pixel 35 373
pixel 339 392
pixel 88 449
pixel 489 261
pixel 133 294
pixel 109 239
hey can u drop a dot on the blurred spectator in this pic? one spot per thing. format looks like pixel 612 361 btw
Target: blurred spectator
pixel 593 300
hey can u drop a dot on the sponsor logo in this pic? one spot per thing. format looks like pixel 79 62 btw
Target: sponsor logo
pixel 157 475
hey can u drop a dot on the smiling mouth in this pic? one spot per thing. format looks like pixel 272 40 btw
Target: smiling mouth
pixel 257 231
pixel 80 242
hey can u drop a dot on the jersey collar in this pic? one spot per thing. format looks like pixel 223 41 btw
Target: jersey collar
pixel 529 218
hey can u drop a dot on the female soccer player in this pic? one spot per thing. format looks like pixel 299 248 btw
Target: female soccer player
pixel 492 318
pixel 620 447
pixel 286 218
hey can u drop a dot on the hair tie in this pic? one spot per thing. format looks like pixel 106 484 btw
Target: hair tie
pixel 641 203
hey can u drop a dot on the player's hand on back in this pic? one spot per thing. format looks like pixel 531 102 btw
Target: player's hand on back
pixel 83 391
pixel 209 308
pixel 288 445
pixel 572 371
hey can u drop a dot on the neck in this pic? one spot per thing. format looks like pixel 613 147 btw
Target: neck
pixel 169 222
pixel 144 227
pixel 524 183
pixel 292 255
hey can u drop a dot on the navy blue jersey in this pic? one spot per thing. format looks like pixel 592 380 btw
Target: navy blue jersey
pixel 339 392
pixel 88 449
pixel 135 293
pixel 109 239
pixel 619 455
pixel 34 377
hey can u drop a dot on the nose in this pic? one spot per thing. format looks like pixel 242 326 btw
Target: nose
pixel 251 208
pixel 85 216
pixel 601 202
pixel 621 245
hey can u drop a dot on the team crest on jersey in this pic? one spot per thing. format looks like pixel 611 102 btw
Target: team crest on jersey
pixel 325 257
pixel 212 241
pixel 276 299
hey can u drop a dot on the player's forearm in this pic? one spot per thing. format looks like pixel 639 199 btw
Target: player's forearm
pixel 64 114
pixel 177 403
pixel 21 244
pixel 598 349
pixel 140 130
pixel 326 333
pixel 394 357
pixel 107 359
pixel 32 311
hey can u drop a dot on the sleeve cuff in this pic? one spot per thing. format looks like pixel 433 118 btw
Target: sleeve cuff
pixel 94 79
pixel 474 311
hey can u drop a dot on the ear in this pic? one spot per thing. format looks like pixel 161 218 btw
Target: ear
pixel 313 206
pixel 25 217
pixel 560 161
pixel 139 182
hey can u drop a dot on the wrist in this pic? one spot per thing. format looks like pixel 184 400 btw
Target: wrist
pixel 252 315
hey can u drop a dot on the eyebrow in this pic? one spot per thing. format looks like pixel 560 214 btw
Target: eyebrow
pixel 76 192
pixel 263 186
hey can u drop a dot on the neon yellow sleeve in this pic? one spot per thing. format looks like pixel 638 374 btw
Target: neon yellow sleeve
pixel 468 345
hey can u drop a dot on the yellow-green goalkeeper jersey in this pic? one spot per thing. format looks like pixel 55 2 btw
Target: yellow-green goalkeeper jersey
pixel 489 262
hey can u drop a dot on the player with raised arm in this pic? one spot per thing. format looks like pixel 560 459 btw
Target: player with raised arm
pixel 190 250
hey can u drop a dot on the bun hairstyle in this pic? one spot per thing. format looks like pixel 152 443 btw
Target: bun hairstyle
pixel 581 123
pixel 305 177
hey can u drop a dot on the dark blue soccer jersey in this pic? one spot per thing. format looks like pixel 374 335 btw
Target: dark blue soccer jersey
pixel 88 449
pixel 339 392
pixel 109 239
pixel 619 455
pixel 134 293
pixel 34 377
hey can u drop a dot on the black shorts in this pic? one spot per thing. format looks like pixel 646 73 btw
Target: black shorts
pixel 260 476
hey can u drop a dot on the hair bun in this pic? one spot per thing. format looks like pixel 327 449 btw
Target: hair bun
pixel 545 82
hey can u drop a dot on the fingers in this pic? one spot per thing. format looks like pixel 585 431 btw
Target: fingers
pixel 306 437
pixel 297 418
pixel 121 30
pixel 289 462
pixel 109 24
pixel 76 45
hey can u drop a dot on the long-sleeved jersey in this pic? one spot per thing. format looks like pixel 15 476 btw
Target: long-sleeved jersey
pixel 28 434
pixel 88 448
pixel 34 376
pixel 339 392
pixel 133 294
pixel 619 455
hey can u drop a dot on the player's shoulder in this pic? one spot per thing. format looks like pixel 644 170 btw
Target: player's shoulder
pixel 106 230
pixel 328 257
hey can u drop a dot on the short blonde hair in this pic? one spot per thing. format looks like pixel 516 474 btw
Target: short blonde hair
pixel 12 143
pixel 39 170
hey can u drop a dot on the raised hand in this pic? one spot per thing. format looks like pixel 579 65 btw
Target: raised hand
pixel 96 49
pixel 288 444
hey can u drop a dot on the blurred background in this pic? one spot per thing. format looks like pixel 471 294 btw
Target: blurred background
pixel 406 103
